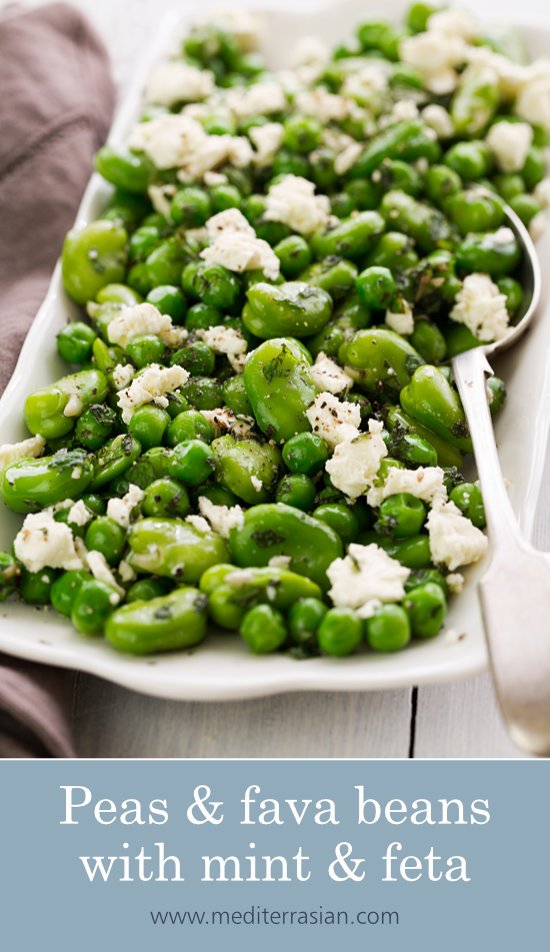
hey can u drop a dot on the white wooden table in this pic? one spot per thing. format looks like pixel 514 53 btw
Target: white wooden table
pixel 456 720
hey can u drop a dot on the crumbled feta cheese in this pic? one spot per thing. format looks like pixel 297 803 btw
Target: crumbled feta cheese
pixel 334 420
pixel 246 27
pixel 355 463
pixel 435 55
pixel 542 193
pixel 401 110
pixel 211 179
pixel 260 99
pixel 510 143
pixel 74 406
pixel 280 561
pixel 453 22
pixel 174 81
pixel 179 141
pixel 438 119
pixel 101 570
pixel 328 376
pixel 366 574
pixel 236 247
pixel 402 322
pixel 150 386
pixel 426 483
pixel 227 341
pixel 455 583
pixel 503 236
pixel 120 510
pixel 294 202
pixel 367 84
pixel 26 449
pixel 222 418
pixel 161 198
pixel 310 51
pixel 243 427
pixel 481 307
pixel 538 225
pixel 322 105
pixel 198 522
pixel 122 375
pixel 257 483
pixel 44 543
pixel 139 319
pixel 533 102
pixel 126 571
pixel 221 518
pixel 266 140
pixel 347 149
pixel 454 540
pixel 79 514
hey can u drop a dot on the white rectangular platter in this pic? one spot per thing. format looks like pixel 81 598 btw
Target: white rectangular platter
pixel 222 668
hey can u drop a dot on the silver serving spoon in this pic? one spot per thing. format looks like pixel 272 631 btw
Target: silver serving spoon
pixel 515 591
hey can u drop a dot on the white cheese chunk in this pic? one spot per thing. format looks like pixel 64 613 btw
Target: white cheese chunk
pixel 329 376
pixel 246 27
pixel 455 583
pixel 426 483
pixel 438 119
pixel 122 375
pixel 120 510
pixel 179 141
pixel 335 421
pixel 355 463
pixel 226 341
pixel 174 81
pixel 542 193
pixel 139 319
pixel 366 575
pixel 222 519
pixel 198 522
pixel 26 449
pixel 150 386
pixel 402 322
pixel 510 143
pixel 260 99
pixel 454 541
pixel 79 514
pixel 322 105
pixel 294 202
pixel 126 571
pixel 161 198
pixel 533 102
pixel 74 406
pixel 453 22
pixel 44 543
pixel 266 140
pixel 101 570
pixel 236 247
pixel 257 483
pixel 481 307
pixel 367 84
pixel 435 55
pixel 280 561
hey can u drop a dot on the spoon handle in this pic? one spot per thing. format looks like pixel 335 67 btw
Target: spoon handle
pixel 515 591
pixel 469 371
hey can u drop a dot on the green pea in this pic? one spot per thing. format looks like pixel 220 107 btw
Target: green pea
pixel 340 518
pixel 203 393
pixel 468 498
pixel 509 185
pixel 393 250
pixel 263 629
pixel 247 468
pixel 471 160
pixel 393 173
pixel 430 343
pixel 426 225
pixel 296 490
pixel 497 394
pixel 139 279
pixel 166 497
pixel 304 619
pixel 164 264
pixel 534 169
pixel 301 133
pixel 225 196
pixel 201 316
pixel 128 171
pixel 489 253
pixel 293 309
pixel 305 453
pixel 342 204
pixel 65 589
pixel 169 300
pixel 352 238
pixel 294 254
pixel 389 629
pixel 379 357
pixel 391 143
pixel 106 536
pixel 217 286
pixel 471 211
pixel 192 462
pixel 35 587
pixel 422 576
pixel 513 291
pixel 171 548
pixel 168 623
pixel 401 515
pixel 141 474
pixel 426 607
pixel 234 395
pixel 148 425
pixel 95 426
pixel 34 484
pixel 159 458
pixel 376 287
pixel 75 342
pixel 412 448
pixel 143 241
pixel 526 207
pixel 412 551
pixel 126 208
pixel 418 15
pixel 197 357
pixel 475 101
pixel 291 163
pixel 95 504
pixel 92 257
pixel 114 459
pixel 340 632
pixel 92 606
pixel 332 274
pixel 441 183
pixel 364 194
pixel 190 207
pixel 189 425
pixel 145 589
pixel 9 575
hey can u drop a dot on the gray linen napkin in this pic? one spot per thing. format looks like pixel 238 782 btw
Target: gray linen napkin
pixel 56 102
